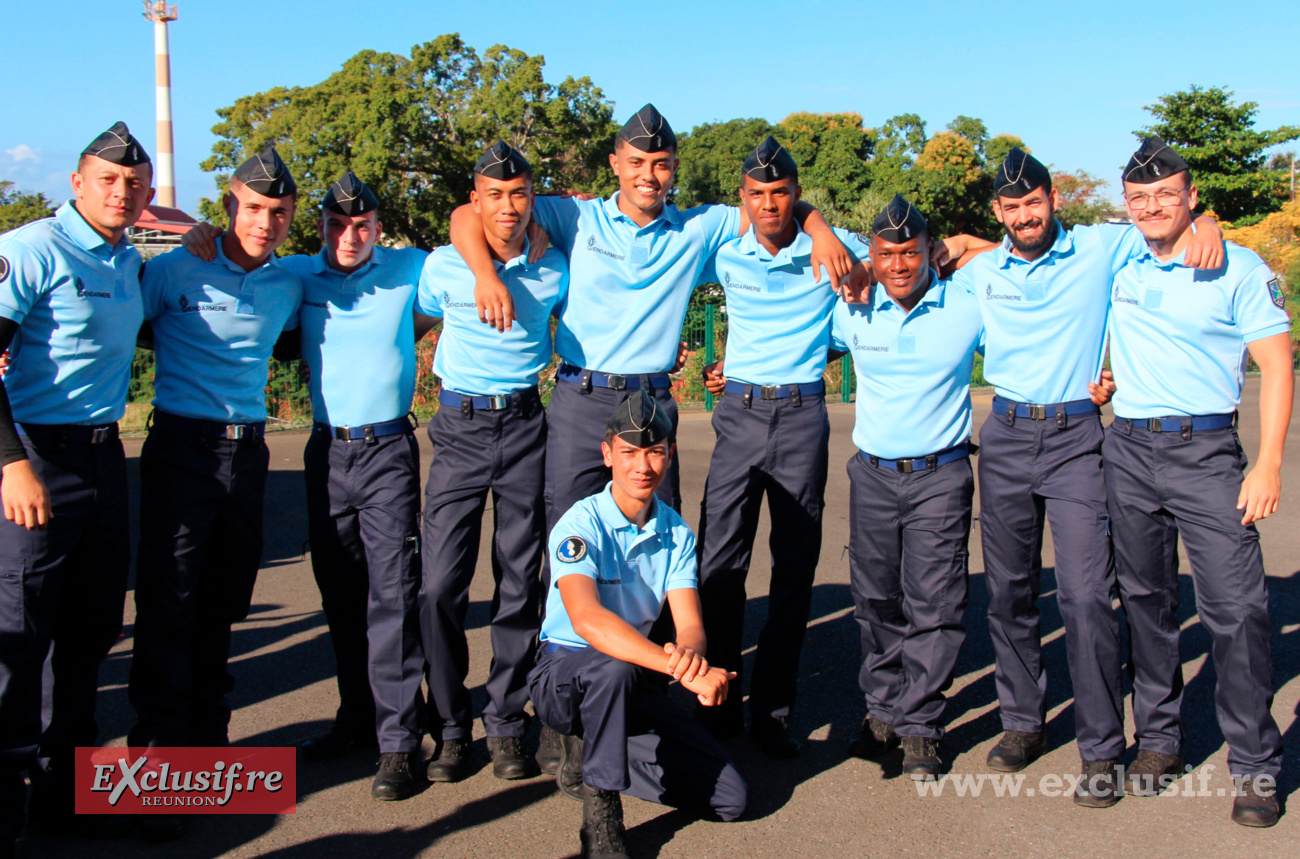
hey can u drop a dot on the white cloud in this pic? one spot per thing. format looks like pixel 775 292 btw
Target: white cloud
pixel 23 152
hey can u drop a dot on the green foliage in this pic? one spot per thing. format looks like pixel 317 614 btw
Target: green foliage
pixel 18 207
pixel 1218 139
pixel 412 129
pixel 1081 199
pixel 711 156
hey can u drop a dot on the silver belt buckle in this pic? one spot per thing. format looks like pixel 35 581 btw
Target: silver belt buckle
pixel 497 402
pixel 617 383
pixel 1155 424
pixel 905 466
pixel 1038 413
pixel 99 435
pixel 236 432
pixel 768 392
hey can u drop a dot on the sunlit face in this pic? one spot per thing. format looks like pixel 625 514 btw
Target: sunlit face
pixel 900 267
pixel 1029 221
pixel 770 205
pixel 505 205
pixel 260 224
pixel 1161 210
pixel 644 178
pixel 637 471
pixel 109 196
pixel 349 239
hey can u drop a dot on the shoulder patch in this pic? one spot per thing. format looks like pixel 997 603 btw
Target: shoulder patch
pixel 571 550
pixel 1274 291
pixel 4 269
pixel 863 237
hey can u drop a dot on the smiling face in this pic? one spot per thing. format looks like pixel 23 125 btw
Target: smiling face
pixel 109 196
pixel 349 239
pixel 901 267
pixel 504 205
pixel 644 178
pixel 259 224
pixel 1162 210
pixel 636 471
pixel 771 208
pixel 1029 221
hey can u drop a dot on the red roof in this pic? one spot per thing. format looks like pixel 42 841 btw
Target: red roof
pixel 165 219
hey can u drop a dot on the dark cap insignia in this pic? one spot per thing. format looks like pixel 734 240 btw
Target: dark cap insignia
pixel 1019 174
pixel 899 222
pixel 118 146
pixel 350 196
pixel 648 131
pixel 266 174
pixel 770 162
pixel 1154 160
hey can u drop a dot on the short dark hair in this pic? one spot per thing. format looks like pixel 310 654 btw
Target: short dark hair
pixel 619 143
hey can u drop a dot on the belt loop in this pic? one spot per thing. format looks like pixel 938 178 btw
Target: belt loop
pixel 874 460
pixel 1185 429
pixel 516 404
pixel 931 462
pixel 1060 417
pixel 645 384
pixel 1235 414
pixel 467 408
pixel 795 397
pixel 369 430
pixel 584 381
pixel 1127 426
pixel 747 399
pixel 1011 414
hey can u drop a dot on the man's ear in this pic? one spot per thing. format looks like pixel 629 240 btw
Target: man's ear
pixel 606 451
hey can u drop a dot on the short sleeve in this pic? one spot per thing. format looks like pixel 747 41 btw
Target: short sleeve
pixel 559 217
pixel 720 224
pixel 683 573
pixel 153 288
pixel 855 243
pixel 24 278
pixel 428 300
pixel 709 274
pixel 1259 305
pixel 574 548
pixel 1121 242
pixel 293 320
pixel 839 327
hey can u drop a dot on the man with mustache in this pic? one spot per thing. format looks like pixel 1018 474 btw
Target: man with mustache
pixel 1044 297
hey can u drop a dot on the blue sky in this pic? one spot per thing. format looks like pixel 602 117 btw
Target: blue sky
pixel 1071 79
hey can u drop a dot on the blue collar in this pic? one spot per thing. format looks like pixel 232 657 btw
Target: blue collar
pixel 933 297
pixel 222 259
pixel 800 247
pixel 669 212
pixel 1063 244
pixel 1148 256
pixel 321 263
pixel 612 516
pixel 82 232
pixel 520 261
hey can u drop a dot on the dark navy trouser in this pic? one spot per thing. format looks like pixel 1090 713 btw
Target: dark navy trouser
pixel 1035 472
pixel 363 518
pixel 575 468
pixel 201 500
pixel 909 538
pixel 777 448
pixel 634 738
pixel 1162 486
pixel 61 596
pixel 502 452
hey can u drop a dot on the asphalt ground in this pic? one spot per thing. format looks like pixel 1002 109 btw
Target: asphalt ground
pixel 822 804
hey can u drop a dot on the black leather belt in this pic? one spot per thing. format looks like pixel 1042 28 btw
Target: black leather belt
pixel 69 433
pixel 206 428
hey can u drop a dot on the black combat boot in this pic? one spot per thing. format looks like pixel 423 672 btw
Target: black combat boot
pixel 602 825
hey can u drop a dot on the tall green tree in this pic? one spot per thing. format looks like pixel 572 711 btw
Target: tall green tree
pixel 711 156
pixel 21 207
pixel 1218 138
pixel 412 129
pixel 1081 198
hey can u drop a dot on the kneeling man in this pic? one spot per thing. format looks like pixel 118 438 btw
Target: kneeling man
pixel 616 557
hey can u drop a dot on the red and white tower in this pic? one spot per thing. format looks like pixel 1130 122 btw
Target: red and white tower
pixel 160 13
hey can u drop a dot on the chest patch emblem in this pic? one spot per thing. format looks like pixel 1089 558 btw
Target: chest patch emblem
pixel 571 550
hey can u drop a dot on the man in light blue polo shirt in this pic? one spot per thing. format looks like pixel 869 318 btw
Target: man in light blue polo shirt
pixel 69 313
pixel 617 558
pixel 913 346
pixel 203 467
pixel 772 433
pixel 1044 297
pixel 1174 468
pixel 634 261
pixel 489 436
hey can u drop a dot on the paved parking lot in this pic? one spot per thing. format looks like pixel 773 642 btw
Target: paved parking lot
pixel 822 804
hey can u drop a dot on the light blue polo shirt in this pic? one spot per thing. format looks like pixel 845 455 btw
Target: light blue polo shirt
pixel 473 358
pixel 913 369
pixel 76 300
pixel 778 319
pixel 629 285
pixel 358 336
pixel 1046 319
pixel 1178 334
pixel 214 326
pixel 634 568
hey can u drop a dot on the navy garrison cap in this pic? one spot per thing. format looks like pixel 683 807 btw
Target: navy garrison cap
pixel 503 161
pixel 648 131
pixel 640 420
pixel 770 162
pixel 118 146
pixel 350 196
pixel 899 222
pixel 1019 174
pixel 266 174
pixel 1154 160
